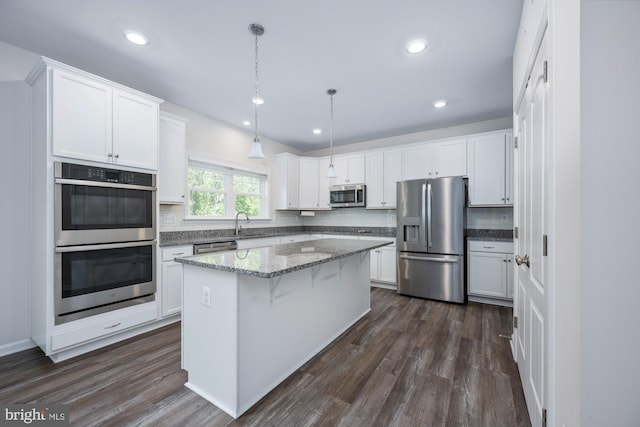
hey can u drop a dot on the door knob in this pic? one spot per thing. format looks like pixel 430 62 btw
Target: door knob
pixel 523 260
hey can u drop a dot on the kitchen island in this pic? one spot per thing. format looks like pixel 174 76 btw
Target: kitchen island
pixel 251 317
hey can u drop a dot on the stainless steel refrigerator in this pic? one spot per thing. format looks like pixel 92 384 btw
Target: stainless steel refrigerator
pixel 430 238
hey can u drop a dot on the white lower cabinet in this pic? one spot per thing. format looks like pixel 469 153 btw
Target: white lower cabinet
pixel 490 271
pixel 102 325
pixel 386 265
pixel 171 279
pixel 383 261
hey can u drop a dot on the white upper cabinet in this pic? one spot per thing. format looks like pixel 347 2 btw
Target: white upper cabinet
pixel 349 169
pixel 324 183
pixel 97 120
pixel 309 183
pixel 383 171
pixel 81 117
pixel 449 159
pixel 490 161
pixel 417 162
pixel 172 159
pixel 435 160
pixel 286 181
pixel 135 130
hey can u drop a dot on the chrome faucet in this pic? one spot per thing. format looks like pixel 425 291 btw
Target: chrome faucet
pixel 238 226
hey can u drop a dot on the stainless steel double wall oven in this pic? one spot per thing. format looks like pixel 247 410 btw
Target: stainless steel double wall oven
pixel 105 230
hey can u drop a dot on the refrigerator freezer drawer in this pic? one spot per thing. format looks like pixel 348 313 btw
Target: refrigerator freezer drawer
pixel 438 277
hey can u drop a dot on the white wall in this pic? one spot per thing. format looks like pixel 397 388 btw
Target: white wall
pixel 15 125
pixel 15 63
pixel 610 63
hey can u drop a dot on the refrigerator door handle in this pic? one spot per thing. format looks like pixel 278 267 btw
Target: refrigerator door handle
pixel 417 258
pixel 423 214
pixel 429 203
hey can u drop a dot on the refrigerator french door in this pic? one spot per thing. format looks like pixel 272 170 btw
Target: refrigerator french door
pixel 430 238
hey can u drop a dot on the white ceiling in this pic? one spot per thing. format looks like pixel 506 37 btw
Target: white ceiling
pixel 201 57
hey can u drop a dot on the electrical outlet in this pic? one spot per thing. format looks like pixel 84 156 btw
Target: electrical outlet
pixel 503 218
pixel 169 219
pixel 206 296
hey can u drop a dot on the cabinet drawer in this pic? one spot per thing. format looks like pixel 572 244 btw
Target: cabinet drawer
pixel 107 325
pixel 168 254
pixel 490 246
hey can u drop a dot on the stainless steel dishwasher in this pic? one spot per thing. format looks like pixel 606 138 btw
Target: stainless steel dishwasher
pixel 204 248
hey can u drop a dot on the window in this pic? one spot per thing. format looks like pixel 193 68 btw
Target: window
pixel 219 190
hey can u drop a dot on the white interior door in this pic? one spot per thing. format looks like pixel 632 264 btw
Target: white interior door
pixel 532 200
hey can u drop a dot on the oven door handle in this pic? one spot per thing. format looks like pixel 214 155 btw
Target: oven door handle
pixel 60 249
pixel 103 184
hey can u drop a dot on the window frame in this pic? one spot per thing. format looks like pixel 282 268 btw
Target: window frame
pixel 227 168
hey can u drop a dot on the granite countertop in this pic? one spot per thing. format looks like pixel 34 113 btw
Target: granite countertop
pixel 178 238
pixel 272 261
pixel 491 239
pixel 490 235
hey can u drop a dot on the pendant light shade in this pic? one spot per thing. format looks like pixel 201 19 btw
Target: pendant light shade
pixel 256 146
pixel 256 150
pixel 331 171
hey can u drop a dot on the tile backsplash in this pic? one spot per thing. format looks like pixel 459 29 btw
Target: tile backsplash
pixel 490 218
pixel 172 219
pixel 353 217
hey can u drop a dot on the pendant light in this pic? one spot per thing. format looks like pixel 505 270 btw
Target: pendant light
pixel 331 172
pixel 256 147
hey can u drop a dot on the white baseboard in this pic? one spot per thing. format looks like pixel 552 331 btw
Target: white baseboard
pixel 17 346
pixel 494 301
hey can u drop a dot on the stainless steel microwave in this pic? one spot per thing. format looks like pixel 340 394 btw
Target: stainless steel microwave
pixel 348 196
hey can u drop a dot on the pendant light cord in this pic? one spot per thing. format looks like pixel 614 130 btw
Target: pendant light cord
pixel 255 104
pixel 331 92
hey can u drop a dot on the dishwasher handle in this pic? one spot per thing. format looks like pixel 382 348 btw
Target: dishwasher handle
pixel 204 248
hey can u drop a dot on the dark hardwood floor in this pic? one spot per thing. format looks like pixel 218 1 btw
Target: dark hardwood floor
pixel 410 362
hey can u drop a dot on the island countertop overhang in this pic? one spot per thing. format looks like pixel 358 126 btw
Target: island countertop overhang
pixel 272 261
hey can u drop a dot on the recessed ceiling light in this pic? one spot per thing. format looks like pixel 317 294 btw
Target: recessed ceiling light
pixel 257 100
pixel 246 123
pixel 416 46
pixel 136 37
pixel 317 131
pixel 440 103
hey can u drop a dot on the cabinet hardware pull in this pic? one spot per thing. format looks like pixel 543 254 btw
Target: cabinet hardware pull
pixel 113 326
pixel 109 155
pixel 488 247
pixel 178 253
pixel 117 155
